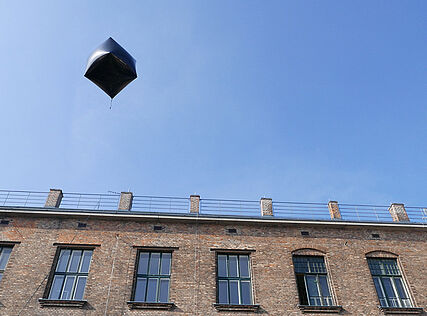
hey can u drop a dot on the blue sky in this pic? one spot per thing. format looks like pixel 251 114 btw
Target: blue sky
pixel 294 100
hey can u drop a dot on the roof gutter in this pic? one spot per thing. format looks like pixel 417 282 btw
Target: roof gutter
pixel 195 217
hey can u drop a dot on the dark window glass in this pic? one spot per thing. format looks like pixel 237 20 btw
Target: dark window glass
pixel 75 261
pixel 388 282
pixel 244 266
pixel 232 266
pixel 154 263
pixel 152 290
pixel 80 287
pixel 4 258
pixel 140 289
pixel 233 279
pixel 69 280
pixel 312 281
pixel 222 265
pixel 166 263
pixel 164 290
pixel 245 288
pixel 153 277
pixel 84 267
pixel 143 262
pixel 302 292
pixel 55 291
pixel 67 289
pixel 223 292
pixel 63 260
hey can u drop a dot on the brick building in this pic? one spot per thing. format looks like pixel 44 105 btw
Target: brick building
pixel 81 254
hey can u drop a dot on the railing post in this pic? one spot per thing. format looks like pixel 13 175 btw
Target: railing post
pixel 266 207
pixel 125 203
pixel 334 210
pixel 54 198
pixel 398 212
pixel 195 204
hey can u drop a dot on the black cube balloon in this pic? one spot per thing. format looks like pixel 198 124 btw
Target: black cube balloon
pixel 111 67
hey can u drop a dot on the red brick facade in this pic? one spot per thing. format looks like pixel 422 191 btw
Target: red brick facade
pixel 116 240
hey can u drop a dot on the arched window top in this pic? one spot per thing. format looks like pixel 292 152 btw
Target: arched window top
pixel 381 254
pixel 308 252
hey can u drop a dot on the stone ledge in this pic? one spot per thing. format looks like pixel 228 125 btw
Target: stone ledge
pixel 236 308
pixel 44 302
pixel 151 305
pixel 401 310
pixel 320 309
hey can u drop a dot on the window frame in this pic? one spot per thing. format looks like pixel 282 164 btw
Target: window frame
pixel 392 277
pixel 321 297
pixel 148 276
pixel 238 278
pixel 47 293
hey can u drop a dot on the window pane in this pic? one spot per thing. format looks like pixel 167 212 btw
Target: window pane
pixel 400 289
pixel 166 263
pixel 141 284
pixel 232 266
pixel 84 267
pixel 143 263
pixel 164 291
pixel 245 288
pixel 317 265
pixel 67 290
pixel 80 288
pixel 301 264
pixel 55 290
pixel 74 261
pixel 222 265
pixel 64 255
pixel 234 292
pixel 302 292
pixel 388 288
pixel 223 292
pixel 152 290
pixel 383 266
pixel 244 266
pixel 324 287
pixel 313 292
pixel 380 292
pixel 404 299
pixel 390 267
pixel 154 263
pixel 4 257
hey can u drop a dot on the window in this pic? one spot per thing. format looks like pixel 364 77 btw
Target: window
pixel 233 279
pixel 388 282
pixel 4 258
pixel 312 281
pixel 69 279
pixel 152 277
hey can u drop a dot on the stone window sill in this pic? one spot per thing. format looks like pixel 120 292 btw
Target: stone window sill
pixel 320 309
pixel 44 302
pixel 237 308
pixel 401 310
pixel 146 305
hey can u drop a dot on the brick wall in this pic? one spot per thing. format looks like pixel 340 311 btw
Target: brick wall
pixel 193 283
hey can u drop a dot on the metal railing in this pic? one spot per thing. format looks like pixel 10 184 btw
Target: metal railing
pixel 156 204
pixel 215 207
pixel 365 213
pixel 417 214
pixel 229 207
pixel 86 201
pixel 299 210
pixel 23 198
